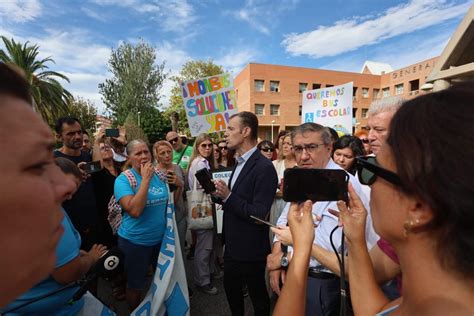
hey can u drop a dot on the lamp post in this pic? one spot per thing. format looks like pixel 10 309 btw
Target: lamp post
pixel 273 122
pixel 139 118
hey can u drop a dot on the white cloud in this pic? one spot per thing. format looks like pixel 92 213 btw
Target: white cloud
pixel 236 59
pixel 351 34
pixel 172 15
pixel 261 14
pixel 20 10
pixel 393 55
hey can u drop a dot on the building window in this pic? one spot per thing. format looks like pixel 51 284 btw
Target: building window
pixel 303 86
pixel 275 86
pixel 399 89
pixel 259 85
pixel 385 92
pixel 365 92
pixel 329 85
pixel 259 109
pixel 316 86
pixel 376 94
pixel 274 109
pixel 364 113
pixel 354 112
pixel 414 85
pixel 300 110
pixel 354 93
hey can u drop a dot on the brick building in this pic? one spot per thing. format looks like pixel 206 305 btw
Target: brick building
pixel 273 92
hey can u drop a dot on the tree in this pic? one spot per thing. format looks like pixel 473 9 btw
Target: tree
pixel 154 124
pixel 85 112
pixel 136 82
pixel 50 99
pixel 193 69
pixel 132 129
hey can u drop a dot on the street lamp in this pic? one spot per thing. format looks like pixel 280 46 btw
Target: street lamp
pixel 139 118
pixel 273 122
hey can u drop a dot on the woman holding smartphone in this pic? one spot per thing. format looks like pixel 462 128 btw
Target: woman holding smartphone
pixel 202 158
pixel 163 152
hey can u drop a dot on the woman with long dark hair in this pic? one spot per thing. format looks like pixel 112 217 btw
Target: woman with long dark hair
pixel 345 151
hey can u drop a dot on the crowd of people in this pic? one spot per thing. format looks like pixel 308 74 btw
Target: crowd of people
pixel 407 222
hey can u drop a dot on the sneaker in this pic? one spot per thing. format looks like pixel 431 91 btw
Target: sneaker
pixel 218 275
pixel 208 289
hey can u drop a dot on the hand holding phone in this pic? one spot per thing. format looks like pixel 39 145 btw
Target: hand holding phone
pixel 264 222
pixel 112 132
pixel 205 180
pixel 91 167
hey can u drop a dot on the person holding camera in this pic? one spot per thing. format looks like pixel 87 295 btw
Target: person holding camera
pixel 312 147
pixel 82 207
pixel 163 152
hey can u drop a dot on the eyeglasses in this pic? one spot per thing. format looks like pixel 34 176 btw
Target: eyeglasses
pixel 310 148
pixel 223 148
pixel 173 140
pixel 368 170
pixel 206 145
pixel 365 140
pixel 267 150
pixel 104 148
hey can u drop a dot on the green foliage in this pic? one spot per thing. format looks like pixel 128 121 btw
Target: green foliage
pixel 136 81
pixel 85 112
pixel 154 124
pixel 50 99
pixel 133 131
pixel 193 69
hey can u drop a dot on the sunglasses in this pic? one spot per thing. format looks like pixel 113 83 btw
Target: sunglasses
pixel 223 148
pixel 365 140
pixel 267 150
pixel 206 145
pixel 368 170
pixel 173 140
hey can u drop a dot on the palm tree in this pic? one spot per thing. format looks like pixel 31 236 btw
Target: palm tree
pixel 50 99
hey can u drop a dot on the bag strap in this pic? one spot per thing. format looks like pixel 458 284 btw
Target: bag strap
pixel 182 154
pixel 131 178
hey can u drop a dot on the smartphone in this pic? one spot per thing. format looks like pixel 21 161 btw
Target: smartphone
pixel 300 185
pixel 91 167
pixel 112 132
pixel 170 174
pixel 204 177
pixel 263 222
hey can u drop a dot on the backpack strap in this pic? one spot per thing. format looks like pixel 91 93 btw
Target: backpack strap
pixel 131 178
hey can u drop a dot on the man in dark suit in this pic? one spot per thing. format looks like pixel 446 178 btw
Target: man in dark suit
pixel 251 190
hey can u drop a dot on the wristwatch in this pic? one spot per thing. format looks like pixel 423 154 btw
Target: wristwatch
pixel 284 260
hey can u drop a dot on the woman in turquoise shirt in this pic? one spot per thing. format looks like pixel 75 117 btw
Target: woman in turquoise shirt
pixel 144 219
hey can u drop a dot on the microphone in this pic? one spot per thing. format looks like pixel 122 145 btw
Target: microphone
pixel 109 265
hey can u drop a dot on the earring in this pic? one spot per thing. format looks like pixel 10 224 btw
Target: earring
pixel 409 225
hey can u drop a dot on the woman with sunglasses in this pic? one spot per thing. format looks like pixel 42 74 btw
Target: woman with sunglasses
pixel 203 253
pixel 421 203
pixel 286 159
pixel 266 148
pixel 226 158
pixel 363 135
pixel 345 151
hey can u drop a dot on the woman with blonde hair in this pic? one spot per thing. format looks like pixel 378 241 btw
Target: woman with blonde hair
pixel 202 157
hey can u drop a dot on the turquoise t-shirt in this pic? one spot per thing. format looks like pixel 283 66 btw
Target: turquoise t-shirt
pixel 57 304
pixel 149 227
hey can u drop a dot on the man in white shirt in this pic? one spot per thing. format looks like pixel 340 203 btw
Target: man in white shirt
pixel 312 148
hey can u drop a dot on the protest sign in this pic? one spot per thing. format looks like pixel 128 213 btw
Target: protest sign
pixel 218 214
pixel 209 103
pixel 330 107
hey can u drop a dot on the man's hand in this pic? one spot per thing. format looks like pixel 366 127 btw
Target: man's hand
pixel 222 190
pixel 283 234
pixel 96 252
pixel 275 277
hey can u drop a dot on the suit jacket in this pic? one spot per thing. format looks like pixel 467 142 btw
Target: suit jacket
pixel 252 194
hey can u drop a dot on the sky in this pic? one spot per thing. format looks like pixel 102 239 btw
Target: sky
pixel 337 34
